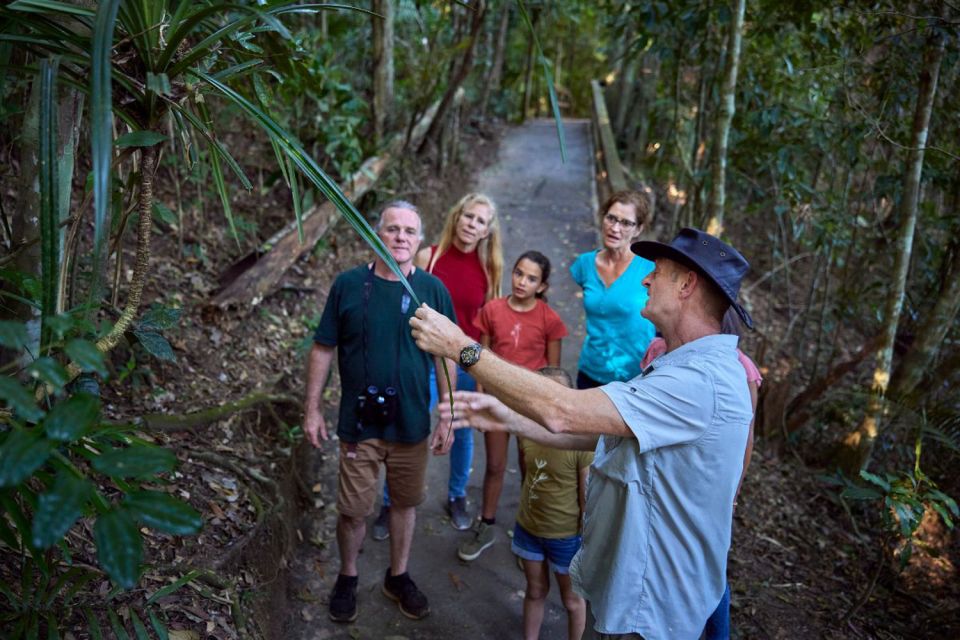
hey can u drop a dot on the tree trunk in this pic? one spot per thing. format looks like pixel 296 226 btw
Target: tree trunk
pixel 528 73
pixel 858 445
pixel 649 76
pixel 724 118
pixel 459 75
pixel 382 67
pixel 496 70
pixel 916 363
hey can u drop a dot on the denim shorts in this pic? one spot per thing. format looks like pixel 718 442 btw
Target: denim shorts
pixel 558 552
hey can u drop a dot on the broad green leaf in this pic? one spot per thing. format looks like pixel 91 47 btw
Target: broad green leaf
pixel 22 453
pixel 52 632
pixel 163 512
pixel 119 547
pixel 947 520
pixel 163 213
pixel 19 399
pixel 156 345
pixel 875 479
pixel 861 493
pixel 86 356
pixel 13 335
pixel 135 461
pixel 173 586
pixel 944 498
pixel 140 139
pixel 160 317
pixel 49 371
pixel 59 508
pixel 71 418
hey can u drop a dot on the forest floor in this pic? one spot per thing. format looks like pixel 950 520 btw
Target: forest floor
pixel 798 562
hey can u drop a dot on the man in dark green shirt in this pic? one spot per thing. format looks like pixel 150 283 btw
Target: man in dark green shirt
pixel 384 416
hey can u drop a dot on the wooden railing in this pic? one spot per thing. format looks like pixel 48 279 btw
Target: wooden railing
pixel 609 172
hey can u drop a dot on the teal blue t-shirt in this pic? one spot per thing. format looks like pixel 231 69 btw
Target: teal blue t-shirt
pixel 617 335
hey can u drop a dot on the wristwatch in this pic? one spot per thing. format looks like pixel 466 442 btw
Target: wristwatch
pixel 470 354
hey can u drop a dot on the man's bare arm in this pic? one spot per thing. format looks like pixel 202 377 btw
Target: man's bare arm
pixel 318 368
pixel 556 407
pixel 484 412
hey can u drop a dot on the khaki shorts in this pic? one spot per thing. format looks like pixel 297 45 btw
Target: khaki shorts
pixel 360 471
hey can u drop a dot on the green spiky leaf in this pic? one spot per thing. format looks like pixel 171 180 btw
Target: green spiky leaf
pixel 86 356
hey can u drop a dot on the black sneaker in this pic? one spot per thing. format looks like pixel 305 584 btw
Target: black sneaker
pixel 381 526
pixel 404 592
pixel 343 600
pixel 460 518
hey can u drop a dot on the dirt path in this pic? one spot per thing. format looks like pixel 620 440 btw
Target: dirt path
pixel 545 205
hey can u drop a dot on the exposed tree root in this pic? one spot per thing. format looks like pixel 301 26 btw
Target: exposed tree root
pixel 183 422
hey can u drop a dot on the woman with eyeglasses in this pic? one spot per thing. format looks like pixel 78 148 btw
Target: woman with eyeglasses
pixel 611 277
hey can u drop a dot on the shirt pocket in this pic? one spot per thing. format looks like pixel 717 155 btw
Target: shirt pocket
pixel 620 462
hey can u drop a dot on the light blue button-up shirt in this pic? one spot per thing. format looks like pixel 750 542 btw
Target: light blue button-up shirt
pixel 660 505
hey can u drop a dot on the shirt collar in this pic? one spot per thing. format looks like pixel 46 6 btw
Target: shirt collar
pixel 717 341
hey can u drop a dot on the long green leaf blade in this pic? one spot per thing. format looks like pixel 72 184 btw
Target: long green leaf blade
pixel 547 73
pixel 49 199
pixel 173 586
pixel 314 173
pixel 101 135
pixel 163 512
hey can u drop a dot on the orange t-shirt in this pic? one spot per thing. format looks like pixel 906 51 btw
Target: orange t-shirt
pixel 520 337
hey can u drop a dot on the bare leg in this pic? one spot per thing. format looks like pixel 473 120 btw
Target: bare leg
pixel 350 532
pixel 575 605
pixel 496 445
pixel 402 522
pixel 534 599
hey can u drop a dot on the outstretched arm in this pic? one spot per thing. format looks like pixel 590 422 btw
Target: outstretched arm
pixel 545 402
pixel 483 411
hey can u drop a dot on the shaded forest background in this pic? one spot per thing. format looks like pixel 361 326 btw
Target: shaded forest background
pixel 154 154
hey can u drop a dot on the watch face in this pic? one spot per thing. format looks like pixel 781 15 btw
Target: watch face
pixel 470 354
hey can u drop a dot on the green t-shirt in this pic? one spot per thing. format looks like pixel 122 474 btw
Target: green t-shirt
pixel 387 321
pixel 549 502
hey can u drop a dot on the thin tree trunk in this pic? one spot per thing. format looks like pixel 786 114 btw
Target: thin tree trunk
pixel 459 75
pixel 528 75
pixel 650 75
pixel 496 71
pixel 382 67
pixel 858 445
pixel 724 119
pixel 939 321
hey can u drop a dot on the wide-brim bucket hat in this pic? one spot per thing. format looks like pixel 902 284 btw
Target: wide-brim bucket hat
pixel 719 262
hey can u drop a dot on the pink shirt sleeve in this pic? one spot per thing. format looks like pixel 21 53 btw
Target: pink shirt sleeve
pixel 753 373
pixel 658 346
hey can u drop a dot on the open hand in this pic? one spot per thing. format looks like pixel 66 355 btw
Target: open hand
pixel 479 410
pixel 437 334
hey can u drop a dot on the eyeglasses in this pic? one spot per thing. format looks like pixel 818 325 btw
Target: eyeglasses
pixel 613 221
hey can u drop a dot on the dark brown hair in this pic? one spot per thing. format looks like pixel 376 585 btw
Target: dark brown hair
pixel 640 202
pixel 541 261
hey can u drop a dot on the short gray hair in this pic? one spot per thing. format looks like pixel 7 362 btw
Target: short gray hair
pixel 398 204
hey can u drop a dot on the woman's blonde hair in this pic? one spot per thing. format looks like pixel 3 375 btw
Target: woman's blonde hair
pixel 489 249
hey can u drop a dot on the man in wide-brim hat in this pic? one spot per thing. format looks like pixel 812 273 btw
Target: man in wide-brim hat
pixel 670 448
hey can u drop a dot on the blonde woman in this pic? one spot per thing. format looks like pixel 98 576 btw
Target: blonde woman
pixel 468 259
